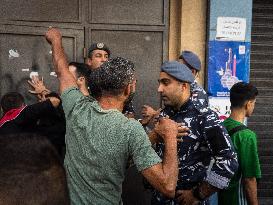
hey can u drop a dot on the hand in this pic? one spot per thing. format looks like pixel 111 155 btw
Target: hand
pixel 39 88
pixel 182 131
pixel 54 101
pixel 53 35
pixel 154 137
pixel 148 111
pixel 185 197
pixel 167 129
pixel 148 114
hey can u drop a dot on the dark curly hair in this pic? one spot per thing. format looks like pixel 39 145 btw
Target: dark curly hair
pixel 11 100
pixel 111 77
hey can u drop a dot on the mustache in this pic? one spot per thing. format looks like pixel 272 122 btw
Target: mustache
pixel 164 97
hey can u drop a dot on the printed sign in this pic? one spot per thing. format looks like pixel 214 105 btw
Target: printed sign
pixel 231 29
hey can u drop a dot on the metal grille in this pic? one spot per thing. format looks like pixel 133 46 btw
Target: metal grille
pixel 261 74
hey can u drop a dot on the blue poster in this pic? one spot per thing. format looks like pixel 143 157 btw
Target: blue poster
pixel 228 64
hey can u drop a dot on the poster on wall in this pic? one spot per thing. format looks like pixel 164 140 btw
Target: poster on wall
pixel 221 105
pixel 228 63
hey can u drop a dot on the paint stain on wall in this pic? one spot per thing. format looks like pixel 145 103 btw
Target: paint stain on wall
pixel 13 54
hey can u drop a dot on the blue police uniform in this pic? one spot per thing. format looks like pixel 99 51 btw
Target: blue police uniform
pixel 199 95
pixel 207 153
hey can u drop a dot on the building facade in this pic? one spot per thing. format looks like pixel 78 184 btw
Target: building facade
pixel 148 33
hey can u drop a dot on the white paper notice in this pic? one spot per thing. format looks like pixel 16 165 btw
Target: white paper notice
pixel 242 49
pixel 231 29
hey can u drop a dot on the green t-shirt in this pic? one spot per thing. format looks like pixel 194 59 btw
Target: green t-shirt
pixel 98 145
pixel 245 144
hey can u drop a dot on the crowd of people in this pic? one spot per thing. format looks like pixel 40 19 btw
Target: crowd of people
pixel 73 147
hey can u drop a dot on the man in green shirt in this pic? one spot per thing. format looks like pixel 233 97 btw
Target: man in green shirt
pixel 100 139
pixel 243 186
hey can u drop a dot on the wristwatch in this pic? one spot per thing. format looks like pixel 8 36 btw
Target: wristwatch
pixel 198 194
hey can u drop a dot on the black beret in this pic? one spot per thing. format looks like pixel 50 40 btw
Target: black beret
pixel 98 46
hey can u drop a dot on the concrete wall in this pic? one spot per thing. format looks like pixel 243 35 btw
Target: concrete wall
pixel 188 29
pixel 188 25
pixel 230 8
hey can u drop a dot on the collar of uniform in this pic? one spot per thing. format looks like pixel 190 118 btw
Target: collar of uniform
pixel 184 108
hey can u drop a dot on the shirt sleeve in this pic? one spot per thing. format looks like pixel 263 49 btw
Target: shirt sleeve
pixel 249 158
pixel 224 162
pixel 140 148
pixel 69 98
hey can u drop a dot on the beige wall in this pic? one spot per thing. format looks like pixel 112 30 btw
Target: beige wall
pixel 188 29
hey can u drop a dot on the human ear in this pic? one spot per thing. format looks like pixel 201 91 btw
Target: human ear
pixel 184 86
pixel 127 90
pixel 248 104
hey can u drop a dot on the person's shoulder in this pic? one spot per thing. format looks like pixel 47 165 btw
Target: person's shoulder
pixel 248 133
pixel 117 117
pixel 70 90
pixel 230 124
pixel 133 128
pixel 133 124
pixel 209 117
pixel 245 133
pixel 125 126
pixel 196 87
pixel 204 111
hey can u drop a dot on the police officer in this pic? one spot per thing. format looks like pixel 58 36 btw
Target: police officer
pixel 207 160
pixel 98 53
pixel 198 94
pixel 192 61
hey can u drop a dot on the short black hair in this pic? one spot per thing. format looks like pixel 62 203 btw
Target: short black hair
pixel 31 171
pixel 242 92
pixel 111 77
pixel 82 70
pixel 11 100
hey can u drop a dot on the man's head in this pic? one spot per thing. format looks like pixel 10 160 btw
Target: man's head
pixel 12 100
pixel 174 83
pixel 191 60
pixel 98 53
pixel 31 172
pixel 80 72
pixel 243 96
pixel 113 78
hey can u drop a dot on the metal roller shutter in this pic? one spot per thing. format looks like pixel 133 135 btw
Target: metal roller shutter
pixel 261 75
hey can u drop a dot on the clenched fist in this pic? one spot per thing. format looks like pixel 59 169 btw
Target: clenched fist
pixel 53 35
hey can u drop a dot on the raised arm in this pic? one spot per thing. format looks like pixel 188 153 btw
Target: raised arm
pixel 54 37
